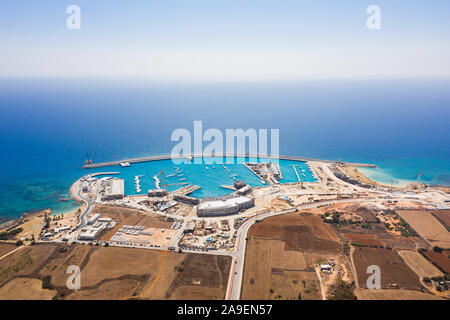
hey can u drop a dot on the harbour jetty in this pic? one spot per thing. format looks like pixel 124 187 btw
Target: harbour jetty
pixel 295 169
pixel 168 157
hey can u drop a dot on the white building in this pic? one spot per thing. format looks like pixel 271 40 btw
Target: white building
pixel 93 219
pixel 88 233
pixel 62 229
pixel 224 207
pixel 325 267
pixel 114 189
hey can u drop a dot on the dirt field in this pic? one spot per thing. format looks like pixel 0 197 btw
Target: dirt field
pixel 207 271
pixel 25 289
pixel 24 261
pixel 114 262
pixel 112 273
pixel 294 285
pixel 274 227
pixel 262 256
pixel 441 259
pixel 386 294
pixel 427 226
pixel 365 239
pixel 281 250
pixel 365 214
pixel 193 292
pixel 393 270
pixel 303 238
pixel 57 266
pixel 111 290
pixel 6 247
pixel 421 266
pixel 443 216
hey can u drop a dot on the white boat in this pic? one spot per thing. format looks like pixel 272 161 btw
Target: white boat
pixel 125 164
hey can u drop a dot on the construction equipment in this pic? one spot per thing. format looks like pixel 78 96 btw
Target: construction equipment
pixel 166 185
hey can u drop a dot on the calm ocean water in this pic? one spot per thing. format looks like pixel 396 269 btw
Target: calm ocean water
pixel 47 127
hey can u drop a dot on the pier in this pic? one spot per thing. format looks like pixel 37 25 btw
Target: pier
pixel 295 169
pixel 187 189
pixel 137 184
pixel 168 157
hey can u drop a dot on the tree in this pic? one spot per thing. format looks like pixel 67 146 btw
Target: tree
pixel 46 282
pixel 437 249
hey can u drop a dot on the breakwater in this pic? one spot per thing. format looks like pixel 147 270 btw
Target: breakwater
pixel 168 157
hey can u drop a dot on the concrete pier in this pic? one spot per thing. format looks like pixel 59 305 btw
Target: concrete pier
pixel 168 157
pixel 295 169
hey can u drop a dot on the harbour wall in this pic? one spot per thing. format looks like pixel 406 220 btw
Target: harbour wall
pixel 168 157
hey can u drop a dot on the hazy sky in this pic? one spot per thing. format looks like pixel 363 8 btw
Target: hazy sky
pixel 219 40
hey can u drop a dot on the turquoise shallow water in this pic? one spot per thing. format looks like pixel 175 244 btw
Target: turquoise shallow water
pixel 210 175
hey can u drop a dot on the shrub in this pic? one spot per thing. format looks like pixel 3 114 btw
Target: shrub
pixel 46 282
pixel 437 249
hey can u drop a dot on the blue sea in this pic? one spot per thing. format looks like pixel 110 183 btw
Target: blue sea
pixel 48 126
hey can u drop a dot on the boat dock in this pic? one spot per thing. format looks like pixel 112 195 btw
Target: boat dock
pixel 137 184
pixel 187 189
pixel 157 182
pixel 312 171
pixel 295 169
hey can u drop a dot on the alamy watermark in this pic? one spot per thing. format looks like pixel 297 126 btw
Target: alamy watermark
pixel 73 22
pixel 74 280
pixel 374 19
pixel 374 281
pixel 238 142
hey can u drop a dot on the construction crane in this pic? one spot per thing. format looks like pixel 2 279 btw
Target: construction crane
pixel 418 178
pixel 88 161
pixel 163 185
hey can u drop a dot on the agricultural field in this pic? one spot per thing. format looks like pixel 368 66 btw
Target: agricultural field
pixel 364 239
pixel 200 277
pixel 27 260
pixel 386 294
pixel 394 272
pixel 443 216
pixel 281 253
pixel 6 247
pixel 275 227
pixel 421 266
pixel 262 256
pixel 25 289
pixel 294 285
pixel 441 259
pixel 427 226
pixel 110 273
pixel 362 225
